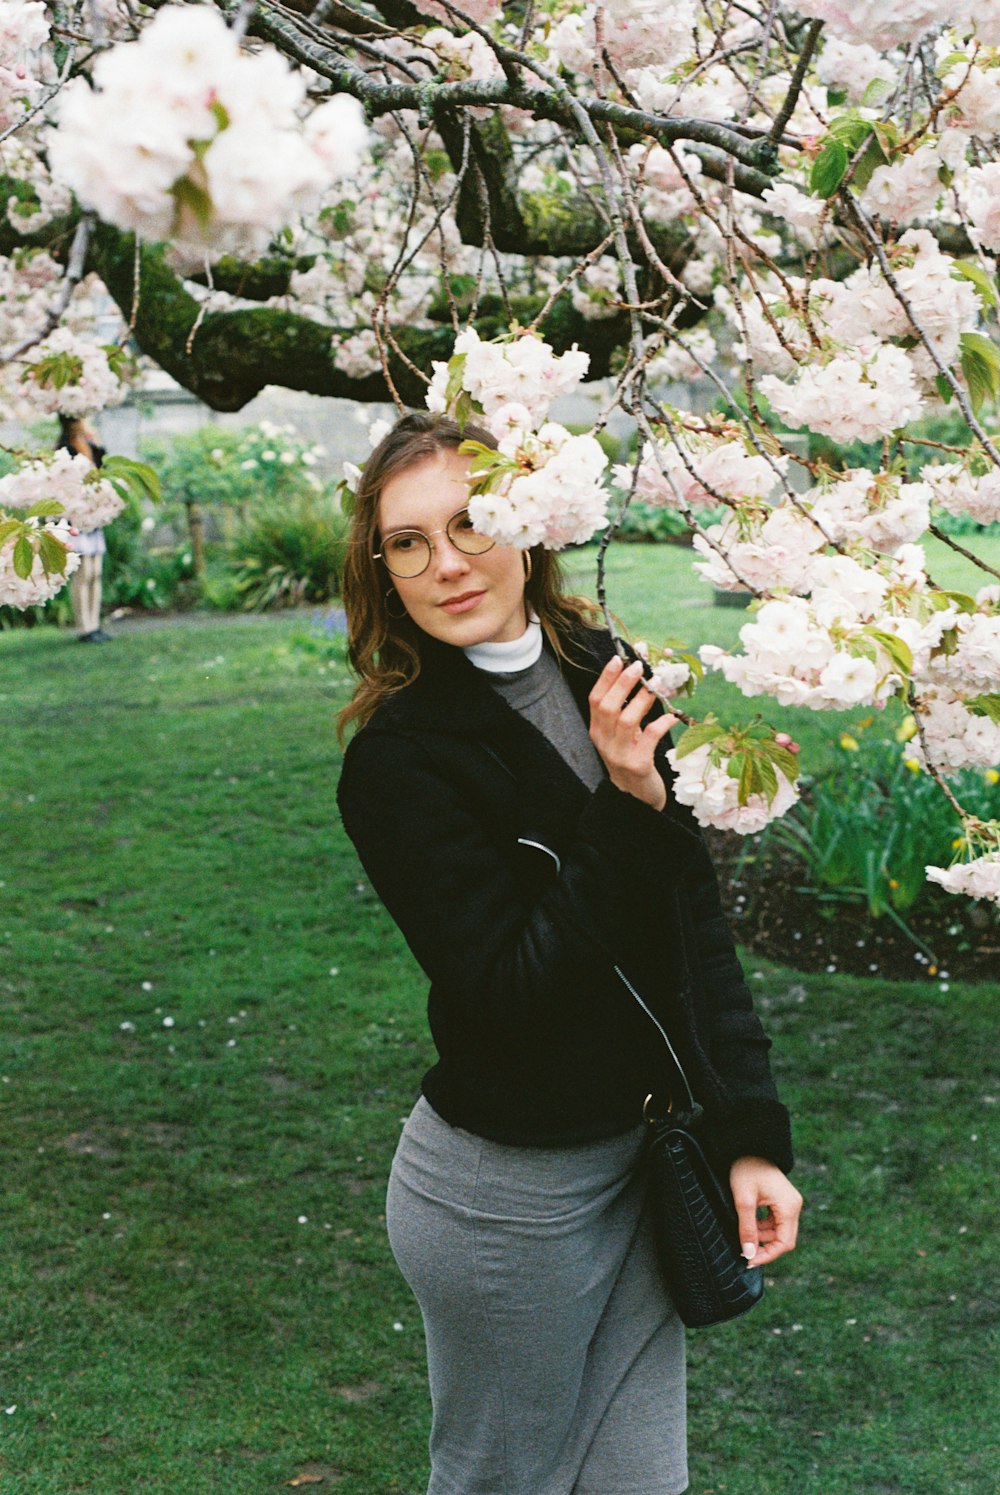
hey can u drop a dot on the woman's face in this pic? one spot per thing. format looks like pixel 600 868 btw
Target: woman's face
pixel 460 599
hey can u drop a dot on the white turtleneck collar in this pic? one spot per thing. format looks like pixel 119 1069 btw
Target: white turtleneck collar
pixel 507 658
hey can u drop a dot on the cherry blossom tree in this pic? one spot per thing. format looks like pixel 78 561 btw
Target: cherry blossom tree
pixel 793 208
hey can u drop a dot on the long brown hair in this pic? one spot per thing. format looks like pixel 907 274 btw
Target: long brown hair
pixel 383 648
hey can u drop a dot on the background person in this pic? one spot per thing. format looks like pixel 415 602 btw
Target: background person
pixel 76 435
pixel 509 798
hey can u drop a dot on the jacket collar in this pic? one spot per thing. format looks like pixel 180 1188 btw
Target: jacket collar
pixel 450 695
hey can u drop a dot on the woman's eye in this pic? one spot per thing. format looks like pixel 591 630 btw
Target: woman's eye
pixel 399 544
pixel 462 521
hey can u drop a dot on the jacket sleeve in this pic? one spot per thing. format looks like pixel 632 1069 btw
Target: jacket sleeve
pixel 512 961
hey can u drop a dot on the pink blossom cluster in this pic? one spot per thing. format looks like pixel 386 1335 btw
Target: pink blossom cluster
pixel 482 11
pixel 523 370
pixel 913 186
pixel 953 736
pixel 851 67
pixel 982 202
pixel 979 878
pixel 876 23
pixel 24 29
pixel 597 293
pixel 553 496
pixel 698 470
pixel 468 56
pixel 973 663
pixel 818 653
pixel 357 356
pixel 667 674
pixel 38 586
pixel 713 794
pixel 88 501
pixel 680 361
pixel 186 137
pixel 878 510
pixel 770 550
pixel 636 34
pixel 960 492
pixel 26 286
pixel 849 399
pixel 93 386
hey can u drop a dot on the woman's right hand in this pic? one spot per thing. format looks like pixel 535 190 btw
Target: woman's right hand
pixel 625 746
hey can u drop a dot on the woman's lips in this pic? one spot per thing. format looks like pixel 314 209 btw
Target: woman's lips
pixel 462 603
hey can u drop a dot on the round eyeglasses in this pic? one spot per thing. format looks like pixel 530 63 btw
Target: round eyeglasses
pixel 407 552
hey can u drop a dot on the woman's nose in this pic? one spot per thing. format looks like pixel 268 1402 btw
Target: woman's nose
pixel 448 560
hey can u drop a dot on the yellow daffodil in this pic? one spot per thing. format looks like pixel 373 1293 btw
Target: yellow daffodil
pixel 849 743
pixel 906 729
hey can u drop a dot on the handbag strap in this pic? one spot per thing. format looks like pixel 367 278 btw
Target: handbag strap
pixel 692 1108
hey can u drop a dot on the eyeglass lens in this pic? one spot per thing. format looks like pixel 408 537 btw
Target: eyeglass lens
pixel 408 552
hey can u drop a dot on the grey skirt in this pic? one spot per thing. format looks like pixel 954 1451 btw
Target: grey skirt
pixel 555 1357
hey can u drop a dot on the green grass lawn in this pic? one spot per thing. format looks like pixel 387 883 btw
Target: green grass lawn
pixel 209 1036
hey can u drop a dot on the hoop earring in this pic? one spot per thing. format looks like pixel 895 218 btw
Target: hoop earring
pixel 396 617
pixel 527 566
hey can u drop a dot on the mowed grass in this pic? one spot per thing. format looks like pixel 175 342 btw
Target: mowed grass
pixel 210 1035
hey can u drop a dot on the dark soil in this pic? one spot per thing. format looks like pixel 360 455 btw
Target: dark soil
pixel 773 914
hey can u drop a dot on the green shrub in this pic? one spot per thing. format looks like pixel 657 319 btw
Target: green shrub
pixel 652 523
pixel 289 553
pixel 865 832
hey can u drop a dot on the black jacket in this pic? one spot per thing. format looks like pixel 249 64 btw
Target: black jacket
pixel 532 904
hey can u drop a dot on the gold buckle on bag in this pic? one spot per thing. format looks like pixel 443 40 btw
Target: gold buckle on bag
pixel 647 1114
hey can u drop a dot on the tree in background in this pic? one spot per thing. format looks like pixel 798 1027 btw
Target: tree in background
pixel 796 206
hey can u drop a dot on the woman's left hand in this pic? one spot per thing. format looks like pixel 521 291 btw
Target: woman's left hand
pixel 758 1184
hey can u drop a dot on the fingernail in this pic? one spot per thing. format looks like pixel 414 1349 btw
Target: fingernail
pixel 749 1250
pixel 634 668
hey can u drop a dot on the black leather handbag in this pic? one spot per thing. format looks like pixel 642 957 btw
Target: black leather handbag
pixel 695 1224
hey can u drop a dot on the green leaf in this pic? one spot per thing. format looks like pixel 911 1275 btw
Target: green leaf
pixel 24 558
pixel 131 479
pixel 873 156
pixel 984 346
pixel 876 93
pixel 828 169
pixel 962 601
pixel 835 97
pixel 943 388
pixel 187 194
pixel 786 761
pixel 52 553
pixel 969 270
pixel 986 705
pixel 981 368
pixel 697 736
pixel 45 508
pixel 898 651
pixel 55 371
pixel 9 527
pixel 456 372
pixel 766 778
pixel 850 129
pixel 747 776
pixel 464 409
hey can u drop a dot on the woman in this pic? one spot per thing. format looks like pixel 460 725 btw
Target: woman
pixel 75 435
pixel 509 798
